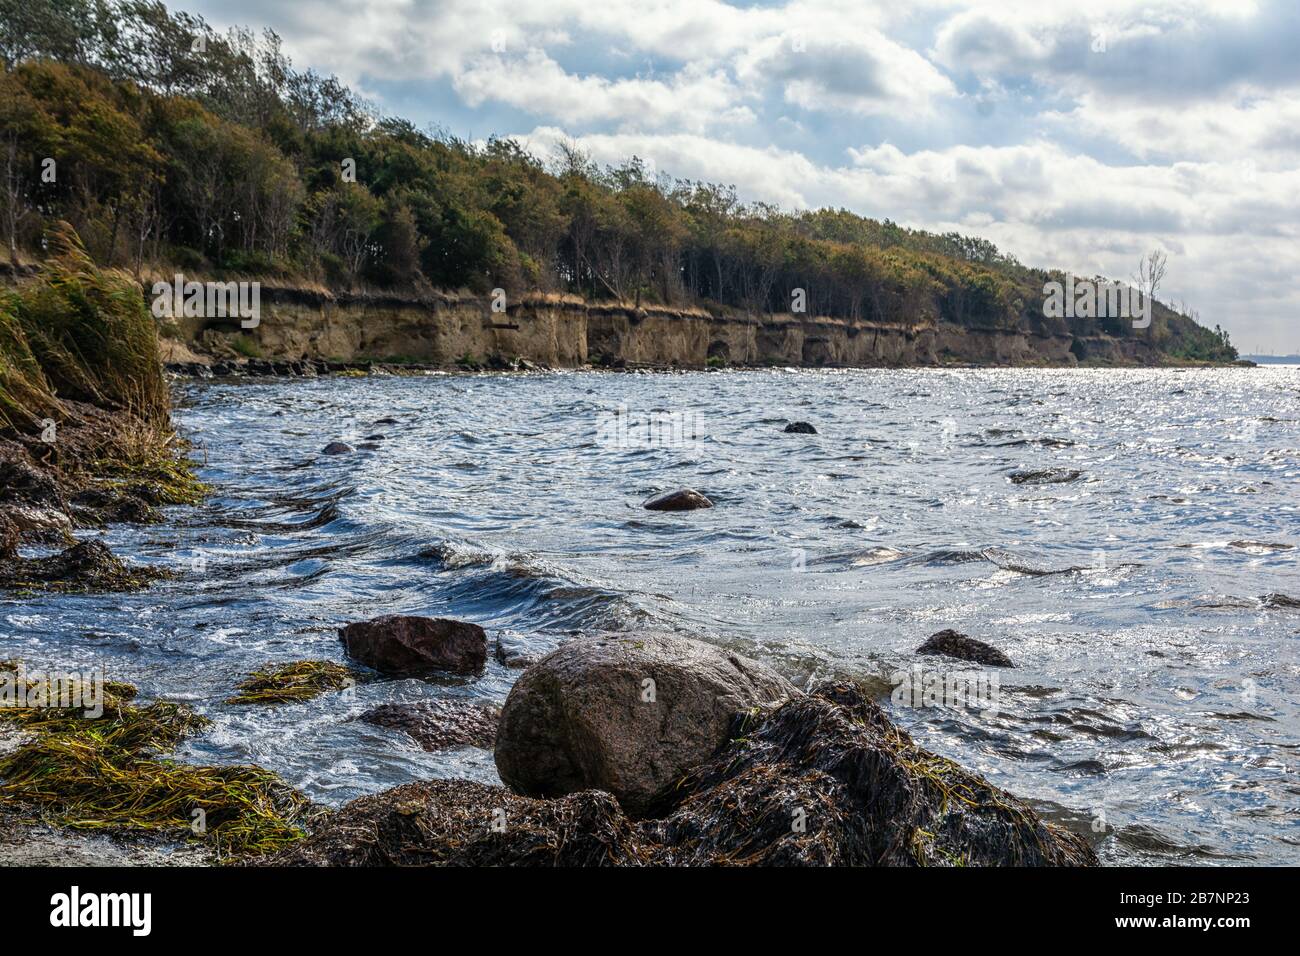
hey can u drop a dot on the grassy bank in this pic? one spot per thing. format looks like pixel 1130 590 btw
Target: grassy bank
pixel 85 429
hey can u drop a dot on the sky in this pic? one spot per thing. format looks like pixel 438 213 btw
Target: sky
pixel 1073 139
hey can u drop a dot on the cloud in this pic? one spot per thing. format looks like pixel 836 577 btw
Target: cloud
pixel 864 73
pixel 1070 134
pixel 692 100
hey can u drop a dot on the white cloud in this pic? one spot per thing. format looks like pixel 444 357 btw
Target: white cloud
pixel 1073 135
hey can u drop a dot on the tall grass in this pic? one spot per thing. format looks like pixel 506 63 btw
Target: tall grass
pixel 89 333
pixel 25 397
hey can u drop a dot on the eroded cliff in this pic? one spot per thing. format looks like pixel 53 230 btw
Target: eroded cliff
pixel 565 332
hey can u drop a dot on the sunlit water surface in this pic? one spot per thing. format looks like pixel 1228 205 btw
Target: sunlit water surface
pixel 1153 706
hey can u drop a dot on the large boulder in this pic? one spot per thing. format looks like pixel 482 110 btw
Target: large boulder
pixel 628 715
pixel 407 645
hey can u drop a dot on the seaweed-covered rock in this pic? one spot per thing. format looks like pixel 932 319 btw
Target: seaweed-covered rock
pixel 440 724
pixel 87 566
pixel 23 480
pixel 404 644
pixel 684 499
pixel 828 779
pixel 463 823
pixel 800 428
pixel 292 683
pixel 825 779
pixel 98 506
pixel 629 715
pixel 950 643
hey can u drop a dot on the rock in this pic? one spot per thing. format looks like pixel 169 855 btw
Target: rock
pixel 800 428
pixel 865 792
pixel 952 643
pixel 402 644
pixel 464 823
pixel 440 724
pixel 21 480
pixel 1279 601
pixel 1047 476
pixel 513 653
pixel 629 715
pixel 337 448
pixel 87 566
pixel 99 506
pixel 387 420
pixel 684 499
pixel 36 523
pixel 861 791
pixel 10 539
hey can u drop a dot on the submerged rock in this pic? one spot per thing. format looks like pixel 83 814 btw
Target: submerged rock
pixel 824 779
pixel 800 428
pixel 684 499
pixel 952 643
pixel 403 644
pixel 628 715
pixel 1046 476
pixel 513 653
pixel 440 724
pixel 337 448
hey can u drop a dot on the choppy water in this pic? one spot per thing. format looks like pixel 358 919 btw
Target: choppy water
pixel 1154 705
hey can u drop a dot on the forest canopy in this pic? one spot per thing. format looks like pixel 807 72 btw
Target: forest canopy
pixel 168 144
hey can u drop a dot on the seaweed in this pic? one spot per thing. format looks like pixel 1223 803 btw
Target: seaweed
pixel 297 681
pixel 107 773
pixel 86 567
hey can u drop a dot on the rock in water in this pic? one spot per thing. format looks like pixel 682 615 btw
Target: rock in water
pixel 684 499
pixel 511 652
pixel 440 724
pixel 828 779
pixel 824 779
pixel 337 448
pixel 402 644
pixel 800 428
pixel 1047 476
pixel 628 715
pixel 952 643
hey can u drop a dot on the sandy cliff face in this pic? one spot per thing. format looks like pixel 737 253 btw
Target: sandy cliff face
pixel 569 333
